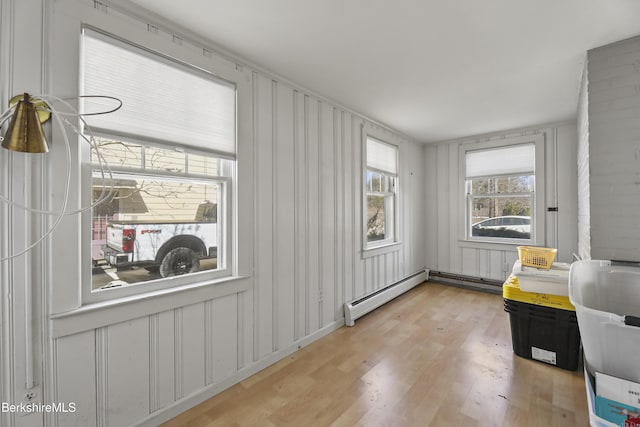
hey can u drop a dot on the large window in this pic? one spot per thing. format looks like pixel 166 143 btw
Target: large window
pixel 164 206
pixel 380 191
pixel 500 187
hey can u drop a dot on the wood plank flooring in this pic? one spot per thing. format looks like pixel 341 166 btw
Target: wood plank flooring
pixel 436 356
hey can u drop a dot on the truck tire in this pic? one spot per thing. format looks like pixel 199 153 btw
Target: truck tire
pixel 179 261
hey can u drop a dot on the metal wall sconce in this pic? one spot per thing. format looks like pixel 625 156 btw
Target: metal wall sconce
pixel 25 133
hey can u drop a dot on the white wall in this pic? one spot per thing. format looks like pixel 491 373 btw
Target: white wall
pixel 144 360
pixel 448 252
pixel 612 151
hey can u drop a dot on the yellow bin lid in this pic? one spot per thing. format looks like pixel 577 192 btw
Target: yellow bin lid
pixel 511 291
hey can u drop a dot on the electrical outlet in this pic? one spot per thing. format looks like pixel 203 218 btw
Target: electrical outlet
pixel 30 396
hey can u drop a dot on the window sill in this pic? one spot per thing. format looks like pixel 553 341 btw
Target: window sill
pixel 381 250
pixel 117 310
pixel 496 245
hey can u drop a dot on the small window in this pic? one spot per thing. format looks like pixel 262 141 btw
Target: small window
pixel 500 193
pixel 381 183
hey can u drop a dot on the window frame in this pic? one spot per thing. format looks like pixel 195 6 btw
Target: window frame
pixel 227 211
pixel 537 222
pixel 386 245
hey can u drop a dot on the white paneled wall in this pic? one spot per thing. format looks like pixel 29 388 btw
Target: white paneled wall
pixel 119 374
pixel 22 302
pixel 308 246
pixel 446 250
pixel 146 360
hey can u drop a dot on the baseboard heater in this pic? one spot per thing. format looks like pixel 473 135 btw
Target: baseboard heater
pixel 363 305
pixel 490 285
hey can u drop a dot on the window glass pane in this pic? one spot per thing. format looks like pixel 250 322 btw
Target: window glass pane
pixel 118 153
pixel 137 156
pixel 203 165
pixel 384 184
pixel 379 183
pixel 373 181
pixel 502 184
pixel 152 227
pixel 163 159
pixel 519 184
pixel 376 221
pixel 505 217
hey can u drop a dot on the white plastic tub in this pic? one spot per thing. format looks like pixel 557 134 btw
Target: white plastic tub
pixel 603 295
pixel 552 281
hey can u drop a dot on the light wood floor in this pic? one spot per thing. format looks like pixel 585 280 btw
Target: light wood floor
pixel 436 356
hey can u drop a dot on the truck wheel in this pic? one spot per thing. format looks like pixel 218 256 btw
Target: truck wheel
pixel 179 261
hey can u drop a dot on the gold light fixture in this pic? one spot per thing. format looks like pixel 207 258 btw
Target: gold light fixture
pixel 25 133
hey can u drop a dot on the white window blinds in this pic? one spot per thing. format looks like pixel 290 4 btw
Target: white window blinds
pixel 512 160
pixel 161 99
pixel 382 157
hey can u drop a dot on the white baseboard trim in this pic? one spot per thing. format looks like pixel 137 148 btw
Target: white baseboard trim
pixel 175 409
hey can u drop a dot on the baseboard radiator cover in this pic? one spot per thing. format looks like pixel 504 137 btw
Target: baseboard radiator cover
pixel 363 305
pixel 471 282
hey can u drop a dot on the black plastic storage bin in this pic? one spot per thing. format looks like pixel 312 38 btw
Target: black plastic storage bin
pixel 546 334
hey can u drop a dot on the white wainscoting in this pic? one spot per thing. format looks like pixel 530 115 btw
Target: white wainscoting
pixel 121 373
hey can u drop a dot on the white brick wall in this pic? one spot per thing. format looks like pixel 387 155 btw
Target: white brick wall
pixel 584 228
pixel 613 156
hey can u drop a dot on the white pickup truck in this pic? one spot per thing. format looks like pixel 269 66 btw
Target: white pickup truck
pixel 172 248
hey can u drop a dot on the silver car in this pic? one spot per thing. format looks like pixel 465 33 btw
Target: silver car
pixel 520 224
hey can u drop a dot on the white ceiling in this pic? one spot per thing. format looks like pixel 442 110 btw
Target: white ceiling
pixel 432 69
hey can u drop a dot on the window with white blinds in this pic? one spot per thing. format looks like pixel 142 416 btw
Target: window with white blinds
pixel 380 205
pixel 171 150
pixel 500 183
pixel 162 100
